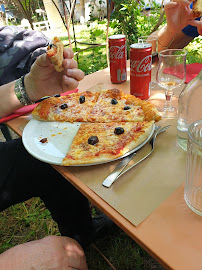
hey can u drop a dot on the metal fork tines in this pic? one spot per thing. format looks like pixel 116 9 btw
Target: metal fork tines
pixel 119 170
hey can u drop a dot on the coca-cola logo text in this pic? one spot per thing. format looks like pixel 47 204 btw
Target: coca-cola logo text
pixel 142 66
pixel 116 52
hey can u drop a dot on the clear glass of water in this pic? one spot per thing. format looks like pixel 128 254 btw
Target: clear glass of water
pixel 193 181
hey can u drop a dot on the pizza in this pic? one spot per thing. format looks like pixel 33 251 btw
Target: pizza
pixel 102 142
pixel 113 123
pixel 71 108
pixel 55 53
pixel 197 8
pixel 106 106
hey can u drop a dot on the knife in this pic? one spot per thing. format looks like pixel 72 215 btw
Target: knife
pixel 121 166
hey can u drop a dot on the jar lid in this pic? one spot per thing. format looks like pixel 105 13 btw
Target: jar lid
pixel 141 45
pixel 117 36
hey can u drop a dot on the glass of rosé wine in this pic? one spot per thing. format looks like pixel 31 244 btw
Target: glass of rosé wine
pixel 171 73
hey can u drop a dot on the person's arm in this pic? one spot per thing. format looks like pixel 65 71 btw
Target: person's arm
pixel 178 15
pixel 172 40
pixel 8 100
pixel 42 80
pixel 52 252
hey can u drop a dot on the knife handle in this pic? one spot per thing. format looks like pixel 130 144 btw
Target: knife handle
pixel 119 168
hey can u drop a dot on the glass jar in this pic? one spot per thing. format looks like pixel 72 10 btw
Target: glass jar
pixel 189 108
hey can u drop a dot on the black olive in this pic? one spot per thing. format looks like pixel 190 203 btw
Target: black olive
pixel 82 99
pixel 118 130
pixel 64 106
pixel 127 107
pixel 114 101
pixel 93 140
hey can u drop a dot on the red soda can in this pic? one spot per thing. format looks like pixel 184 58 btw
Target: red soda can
pixel 140 69
pixel 117 57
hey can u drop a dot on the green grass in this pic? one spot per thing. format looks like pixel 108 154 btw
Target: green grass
pixel 31 220
pixel 25 222
pixel 94 59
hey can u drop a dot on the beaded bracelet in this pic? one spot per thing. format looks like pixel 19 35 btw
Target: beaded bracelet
pixel 20 92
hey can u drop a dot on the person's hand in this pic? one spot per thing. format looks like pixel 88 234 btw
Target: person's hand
pixel 198 24
pixel 56 252
pixel 178 14
pixel 44 80
pixel 52 252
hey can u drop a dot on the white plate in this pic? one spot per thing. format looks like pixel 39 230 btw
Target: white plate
pixel 59 138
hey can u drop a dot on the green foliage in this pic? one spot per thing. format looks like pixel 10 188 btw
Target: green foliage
pixel 124 19
pixel 93 59
pixel 133 20
pixel 94 56
pixel 194 51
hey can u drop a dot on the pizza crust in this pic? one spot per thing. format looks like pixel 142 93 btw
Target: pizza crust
pixel 57 59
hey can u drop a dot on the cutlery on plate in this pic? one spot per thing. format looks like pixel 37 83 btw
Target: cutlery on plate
pixel 119 170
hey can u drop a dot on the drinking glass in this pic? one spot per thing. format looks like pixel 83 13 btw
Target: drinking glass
pixel 193 181
pixel 171 73
pixel 150 39
pixel 153 41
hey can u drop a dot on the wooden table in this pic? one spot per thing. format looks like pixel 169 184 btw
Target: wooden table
pixel 172 233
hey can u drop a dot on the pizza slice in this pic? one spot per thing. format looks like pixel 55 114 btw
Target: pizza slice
pixel 71 108
pixel 150 111
pixel 105 106
pixel 102 142
pixel 115 105
pixel 55 53
pixel 197 8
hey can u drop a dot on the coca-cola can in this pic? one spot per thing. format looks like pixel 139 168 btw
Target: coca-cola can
pixel 117 57
pixel 140 69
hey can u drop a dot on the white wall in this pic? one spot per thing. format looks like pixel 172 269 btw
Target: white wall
pixel 96 12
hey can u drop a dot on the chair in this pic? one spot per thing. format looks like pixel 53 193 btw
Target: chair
pixel 5 132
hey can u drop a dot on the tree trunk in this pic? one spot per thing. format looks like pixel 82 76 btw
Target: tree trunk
pixel 27 12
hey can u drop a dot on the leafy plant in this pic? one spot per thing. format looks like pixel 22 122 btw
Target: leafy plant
pixel 132 18
pixel 194 51
pixel 124 19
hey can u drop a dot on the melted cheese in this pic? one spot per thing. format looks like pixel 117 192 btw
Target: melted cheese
pixel 110 145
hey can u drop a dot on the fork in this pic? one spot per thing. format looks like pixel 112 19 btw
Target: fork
pixel 118 171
